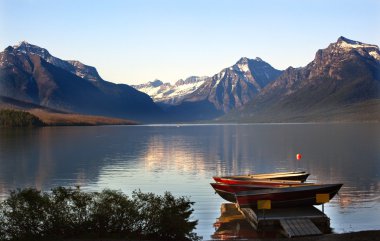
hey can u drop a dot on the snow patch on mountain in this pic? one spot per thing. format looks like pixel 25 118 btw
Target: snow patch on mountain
pixel 153 88
pixel 243 67
pixel 375 54
pixel 348 44
pixel 185 89
pixel 367 50
pixel 171 93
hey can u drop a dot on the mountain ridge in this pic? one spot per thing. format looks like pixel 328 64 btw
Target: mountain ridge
pixel 345 73
pixel 31 74
pixel 167 93
pixel 231 88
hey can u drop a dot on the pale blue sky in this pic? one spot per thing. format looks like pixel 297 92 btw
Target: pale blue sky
pixel 138 41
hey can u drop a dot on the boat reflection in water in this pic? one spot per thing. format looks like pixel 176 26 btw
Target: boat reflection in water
pixel 232 225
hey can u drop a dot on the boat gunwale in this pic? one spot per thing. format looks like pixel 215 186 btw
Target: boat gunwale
pixel 254 180
pixel 272 174
pixel 280 185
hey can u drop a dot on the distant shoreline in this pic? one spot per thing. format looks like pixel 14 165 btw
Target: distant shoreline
pixel 20 118
pixel 72 119
pixel 61 119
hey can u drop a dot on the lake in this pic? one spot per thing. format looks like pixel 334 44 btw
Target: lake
pixel 182 159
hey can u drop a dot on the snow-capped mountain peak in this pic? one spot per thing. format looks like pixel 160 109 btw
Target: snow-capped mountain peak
pixel 157 83
pixel 151 84
pixel 23 44
pixel 346 44
pixel 231 88
pixel 26 47
pixel 190 80
pixel 171 93
pixel 74 66
pixel 242 64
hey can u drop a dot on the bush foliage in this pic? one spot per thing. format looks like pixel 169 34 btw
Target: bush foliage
pixel 29 214
pixel 16 118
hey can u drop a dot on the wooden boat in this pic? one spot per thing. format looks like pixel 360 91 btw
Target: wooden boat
pixel 247 179
pixel 304 195
pixel 227 191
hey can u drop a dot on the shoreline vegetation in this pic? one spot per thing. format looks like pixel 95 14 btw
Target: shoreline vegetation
pixel 12 118
pixel 70 214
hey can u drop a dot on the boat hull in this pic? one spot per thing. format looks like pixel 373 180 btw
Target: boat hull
pixel 228 196
pixel 227 191
pixel 287 197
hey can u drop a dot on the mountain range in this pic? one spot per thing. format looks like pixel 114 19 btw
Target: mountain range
pixel 208 97
pixel 342 83
pixel 31 74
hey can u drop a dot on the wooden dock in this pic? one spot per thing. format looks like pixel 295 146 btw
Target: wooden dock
pixel 301 221
pixel 299 227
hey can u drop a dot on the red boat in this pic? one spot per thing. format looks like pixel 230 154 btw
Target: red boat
pixel 248 179
pixel 303 195
pixel 227 191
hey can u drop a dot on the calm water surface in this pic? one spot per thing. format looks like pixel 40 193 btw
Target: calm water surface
pixel 183 160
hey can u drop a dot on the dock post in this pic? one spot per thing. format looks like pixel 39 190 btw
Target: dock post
pixel 322 198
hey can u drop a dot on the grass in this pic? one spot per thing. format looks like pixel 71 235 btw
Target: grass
pixel 58 118
pixel 67 119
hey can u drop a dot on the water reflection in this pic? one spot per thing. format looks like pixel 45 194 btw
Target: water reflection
pixel 232 225
pixel 183 160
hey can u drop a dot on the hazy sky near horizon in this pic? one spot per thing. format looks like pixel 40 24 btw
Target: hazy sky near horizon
pixel 137 41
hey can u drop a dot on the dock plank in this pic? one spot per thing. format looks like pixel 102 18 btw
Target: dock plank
pixel 299 227
pixel 289 229
pixel 302 227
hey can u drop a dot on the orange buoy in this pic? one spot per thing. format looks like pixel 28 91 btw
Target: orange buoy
pixel 298 156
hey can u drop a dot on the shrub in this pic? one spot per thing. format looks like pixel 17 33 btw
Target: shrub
pixel 69 211
pixel 165 217
pixel 25 215
pixel 29 214
pixel 114 213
